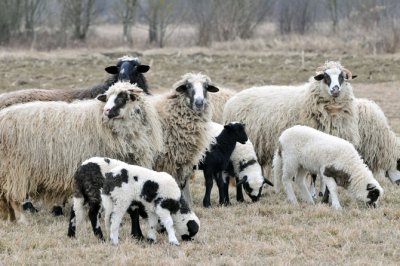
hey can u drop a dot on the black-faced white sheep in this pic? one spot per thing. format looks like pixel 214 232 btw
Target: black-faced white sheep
pixel 379 146
pixel 158 192
pixel 88 182
pixel 216 159
pixel 325 103
pixel 184 114
pixel 42 143
pixel 127 69
pixel 303 149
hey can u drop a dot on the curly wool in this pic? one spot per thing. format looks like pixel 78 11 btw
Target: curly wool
pixel 218 101
pixel 42 143
pixel 186 134
pixel 379 145
pixel 269 110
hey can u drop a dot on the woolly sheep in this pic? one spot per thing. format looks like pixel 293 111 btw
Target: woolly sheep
pixel 216 159
pixel 88 182
pixel 379 145
pixel 324 103
pixel 127 69
pixel 184 115
pixel 218 101
pixel 244 167
pixel 303 149
pixel 158 192
pixel 42 143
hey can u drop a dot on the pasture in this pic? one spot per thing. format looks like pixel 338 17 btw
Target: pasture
pixel 267 232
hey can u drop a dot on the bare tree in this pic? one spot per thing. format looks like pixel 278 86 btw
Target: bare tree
pixel 297 16
pixel 78 14
pixel 125 11
pixel 10 19
pixel 334 13
pixel 32 11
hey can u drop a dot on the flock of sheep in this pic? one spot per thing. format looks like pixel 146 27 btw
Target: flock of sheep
pixel 118 147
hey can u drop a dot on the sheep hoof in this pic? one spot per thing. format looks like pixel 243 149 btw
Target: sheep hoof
pixel 151 240
pixel 175 243
pixel 57 211
pixel 398 182
pixel 28 206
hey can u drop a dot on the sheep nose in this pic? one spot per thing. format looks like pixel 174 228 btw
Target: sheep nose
pixel 199 103
pixel 335 91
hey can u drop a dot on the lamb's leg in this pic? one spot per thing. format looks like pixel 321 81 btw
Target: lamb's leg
pixel 331 185
pixel 136 232
pixel 301 184
pixel 118 211
pixel 225 179
pixel 209 184
pixel 221 190
pixel 313 191
pixel 152 225
pixel 166 220
pixel 94 216
pixel 325 198
pixel 322 188
pixel 108 207
pixel 239 191
pixel 76 216
pixel 72 223
pixel 287 182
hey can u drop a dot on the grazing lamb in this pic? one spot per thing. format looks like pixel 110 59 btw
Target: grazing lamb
pixel 216 159
pixel 184 114
pixel 127 69
pixel 157 192
pixel 42 143
pixel 303 149
pixel 88 182
pixel 379 146
pixel 325 103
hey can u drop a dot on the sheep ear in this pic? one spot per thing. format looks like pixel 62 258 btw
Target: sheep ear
pixel 211 88
pixel 370 187
pixel 142 68
pixel 266 181
pixel 319 77
pixel 102 98
pixel 244 179
pixel 228 126
pixel 354 76
pixel 111 70
pixel 181 88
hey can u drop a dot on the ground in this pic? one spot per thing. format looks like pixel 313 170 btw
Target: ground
pixel 268 232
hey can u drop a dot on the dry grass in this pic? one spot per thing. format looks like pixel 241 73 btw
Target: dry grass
pixel 268 232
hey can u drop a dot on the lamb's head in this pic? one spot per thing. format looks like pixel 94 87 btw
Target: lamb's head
pixel 332 77
pixel 118 99
pixel 194 87
pixel 237 130
pixel 253 184
pixel 366 189
pixel 186 223
pixel 128 69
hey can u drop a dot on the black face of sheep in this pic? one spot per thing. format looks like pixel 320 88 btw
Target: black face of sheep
pixel 333 78
pixel 116 103
pixel 250 191
pixel 373 195
pixel 193 228
pixel 196 92
pixel 129 69
pixel 238 130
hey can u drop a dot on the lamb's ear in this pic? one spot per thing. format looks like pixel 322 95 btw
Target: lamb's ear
pixel 102 98
pixel 370 187
pixel 228 126
pixel 244 179
pixel 212 88
pixel 142 68
pixel 266 181
pixel 319 77
pixel 111 70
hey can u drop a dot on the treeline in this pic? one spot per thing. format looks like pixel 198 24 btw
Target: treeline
pixel 62 22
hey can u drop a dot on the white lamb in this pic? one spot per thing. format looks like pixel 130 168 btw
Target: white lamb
pixel 157 192
pixel 303 149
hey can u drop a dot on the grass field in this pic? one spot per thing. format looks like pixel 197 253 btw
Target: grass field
pixel 268 232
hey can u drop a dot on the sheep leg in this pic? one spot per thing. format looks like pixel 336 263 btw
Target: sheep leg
pixel 301 184
pixel 331 186
pixel 118 211
pixel 312 186
pixel 186 193
pixel 76 216
pixel 166 220
pixel 277 172
pixel 19 216
pixel 225 179
pixel 221 190
pixel 325 198
pixel 322 188
pixel 94 216
pixel 107 204
pixel 287 182
pixel 136 232
pixel 152 222
pixel 239 191
pixel 209 184
pixel 72 223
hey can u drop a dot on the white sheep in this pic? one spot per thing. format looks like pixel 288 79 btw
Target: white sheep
pixel 325 103
pixel 303 149
pixel 218 101
pixel 88 182
pixel 42 143
pixel 184 114
pixel 158 192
